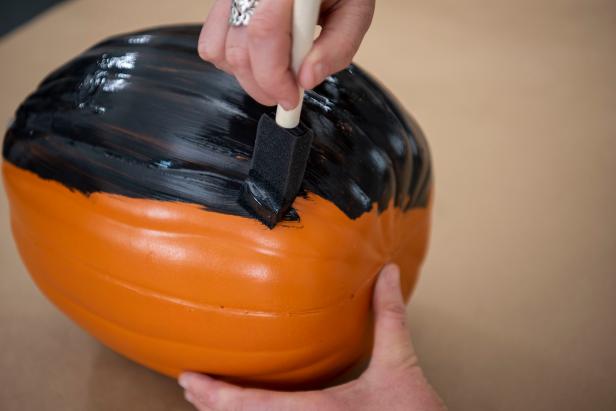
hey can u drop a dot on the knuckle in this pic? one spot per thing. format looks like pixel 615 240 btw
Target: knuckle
pixel 274 82
pixel 262 28
pixel 237 56
pixel 395 311
pixel 207 53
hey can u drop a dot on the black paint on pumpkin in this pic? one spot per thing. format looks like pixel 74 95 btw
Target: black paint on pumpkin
pixel 142 116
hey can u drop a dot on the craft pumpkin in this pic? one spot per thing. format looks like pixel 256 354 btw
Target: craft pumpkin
pixel 123 171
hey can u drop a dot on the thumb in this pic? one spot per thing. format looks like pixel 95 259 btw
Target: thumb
pixel 344 27
pixel 392 342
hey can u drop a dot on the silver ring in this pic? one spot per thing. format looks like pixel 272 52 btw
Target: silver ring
pixel 242 11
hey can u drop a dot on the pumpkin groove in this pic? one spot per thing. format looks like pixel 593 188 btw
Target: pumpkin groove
pixel 124 210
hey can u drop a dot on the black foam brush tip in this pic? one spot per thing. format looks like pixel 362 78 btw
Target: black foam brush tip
pixel 278 164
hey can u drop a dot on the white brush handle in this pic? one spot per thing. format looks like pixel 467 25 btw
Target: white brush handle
pixel 305 14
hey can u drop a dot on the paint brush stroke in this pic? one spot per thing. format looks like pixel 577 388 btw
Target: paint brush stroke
pixel 142 116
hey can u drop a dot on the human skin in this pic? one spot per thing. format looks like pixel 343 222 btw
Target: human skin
pixel 258 55
pixel 393 380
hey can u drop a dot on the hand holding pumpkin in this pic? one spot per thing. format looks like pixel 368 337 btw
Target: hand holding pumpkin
pixel 393 381
pixel 258 55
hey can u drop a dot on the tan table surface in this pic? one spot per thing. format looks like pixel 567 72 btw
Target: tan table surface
pixel 516 308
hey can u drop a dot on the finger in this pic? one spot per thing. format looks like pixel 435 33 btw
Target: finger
pixel 207 393
pixel 238 59
pixel 270 51
pixel 213 35
pixel 343 30
pixel 392 343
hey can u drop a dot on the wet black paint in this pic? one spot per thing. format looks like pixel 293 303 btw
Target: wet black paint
pixel 279 160
pixel 142 116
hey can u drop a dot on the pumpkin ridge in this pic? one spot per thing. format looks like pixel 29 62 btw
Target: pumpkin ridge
pixel 150 292
pixel 123 171
pixel 158 338
pixel 360 155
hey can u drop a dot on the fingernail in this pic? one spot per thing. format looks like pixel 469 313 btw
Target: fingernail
pixel 183 380
pixel 287 105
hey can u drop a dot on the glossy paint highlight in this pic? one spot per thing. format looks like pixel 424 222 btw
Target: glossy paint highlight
pixel 142 116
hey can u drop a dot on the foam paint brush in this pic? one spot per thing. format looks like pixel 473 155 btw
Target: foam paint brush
pixel 282 145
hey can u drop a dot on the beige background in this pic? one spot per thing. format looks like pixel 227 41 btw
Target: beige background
pixel 516 307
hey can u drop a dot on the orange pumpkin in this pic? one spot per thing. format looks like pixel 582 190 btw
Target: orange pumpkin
pixel 122 171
